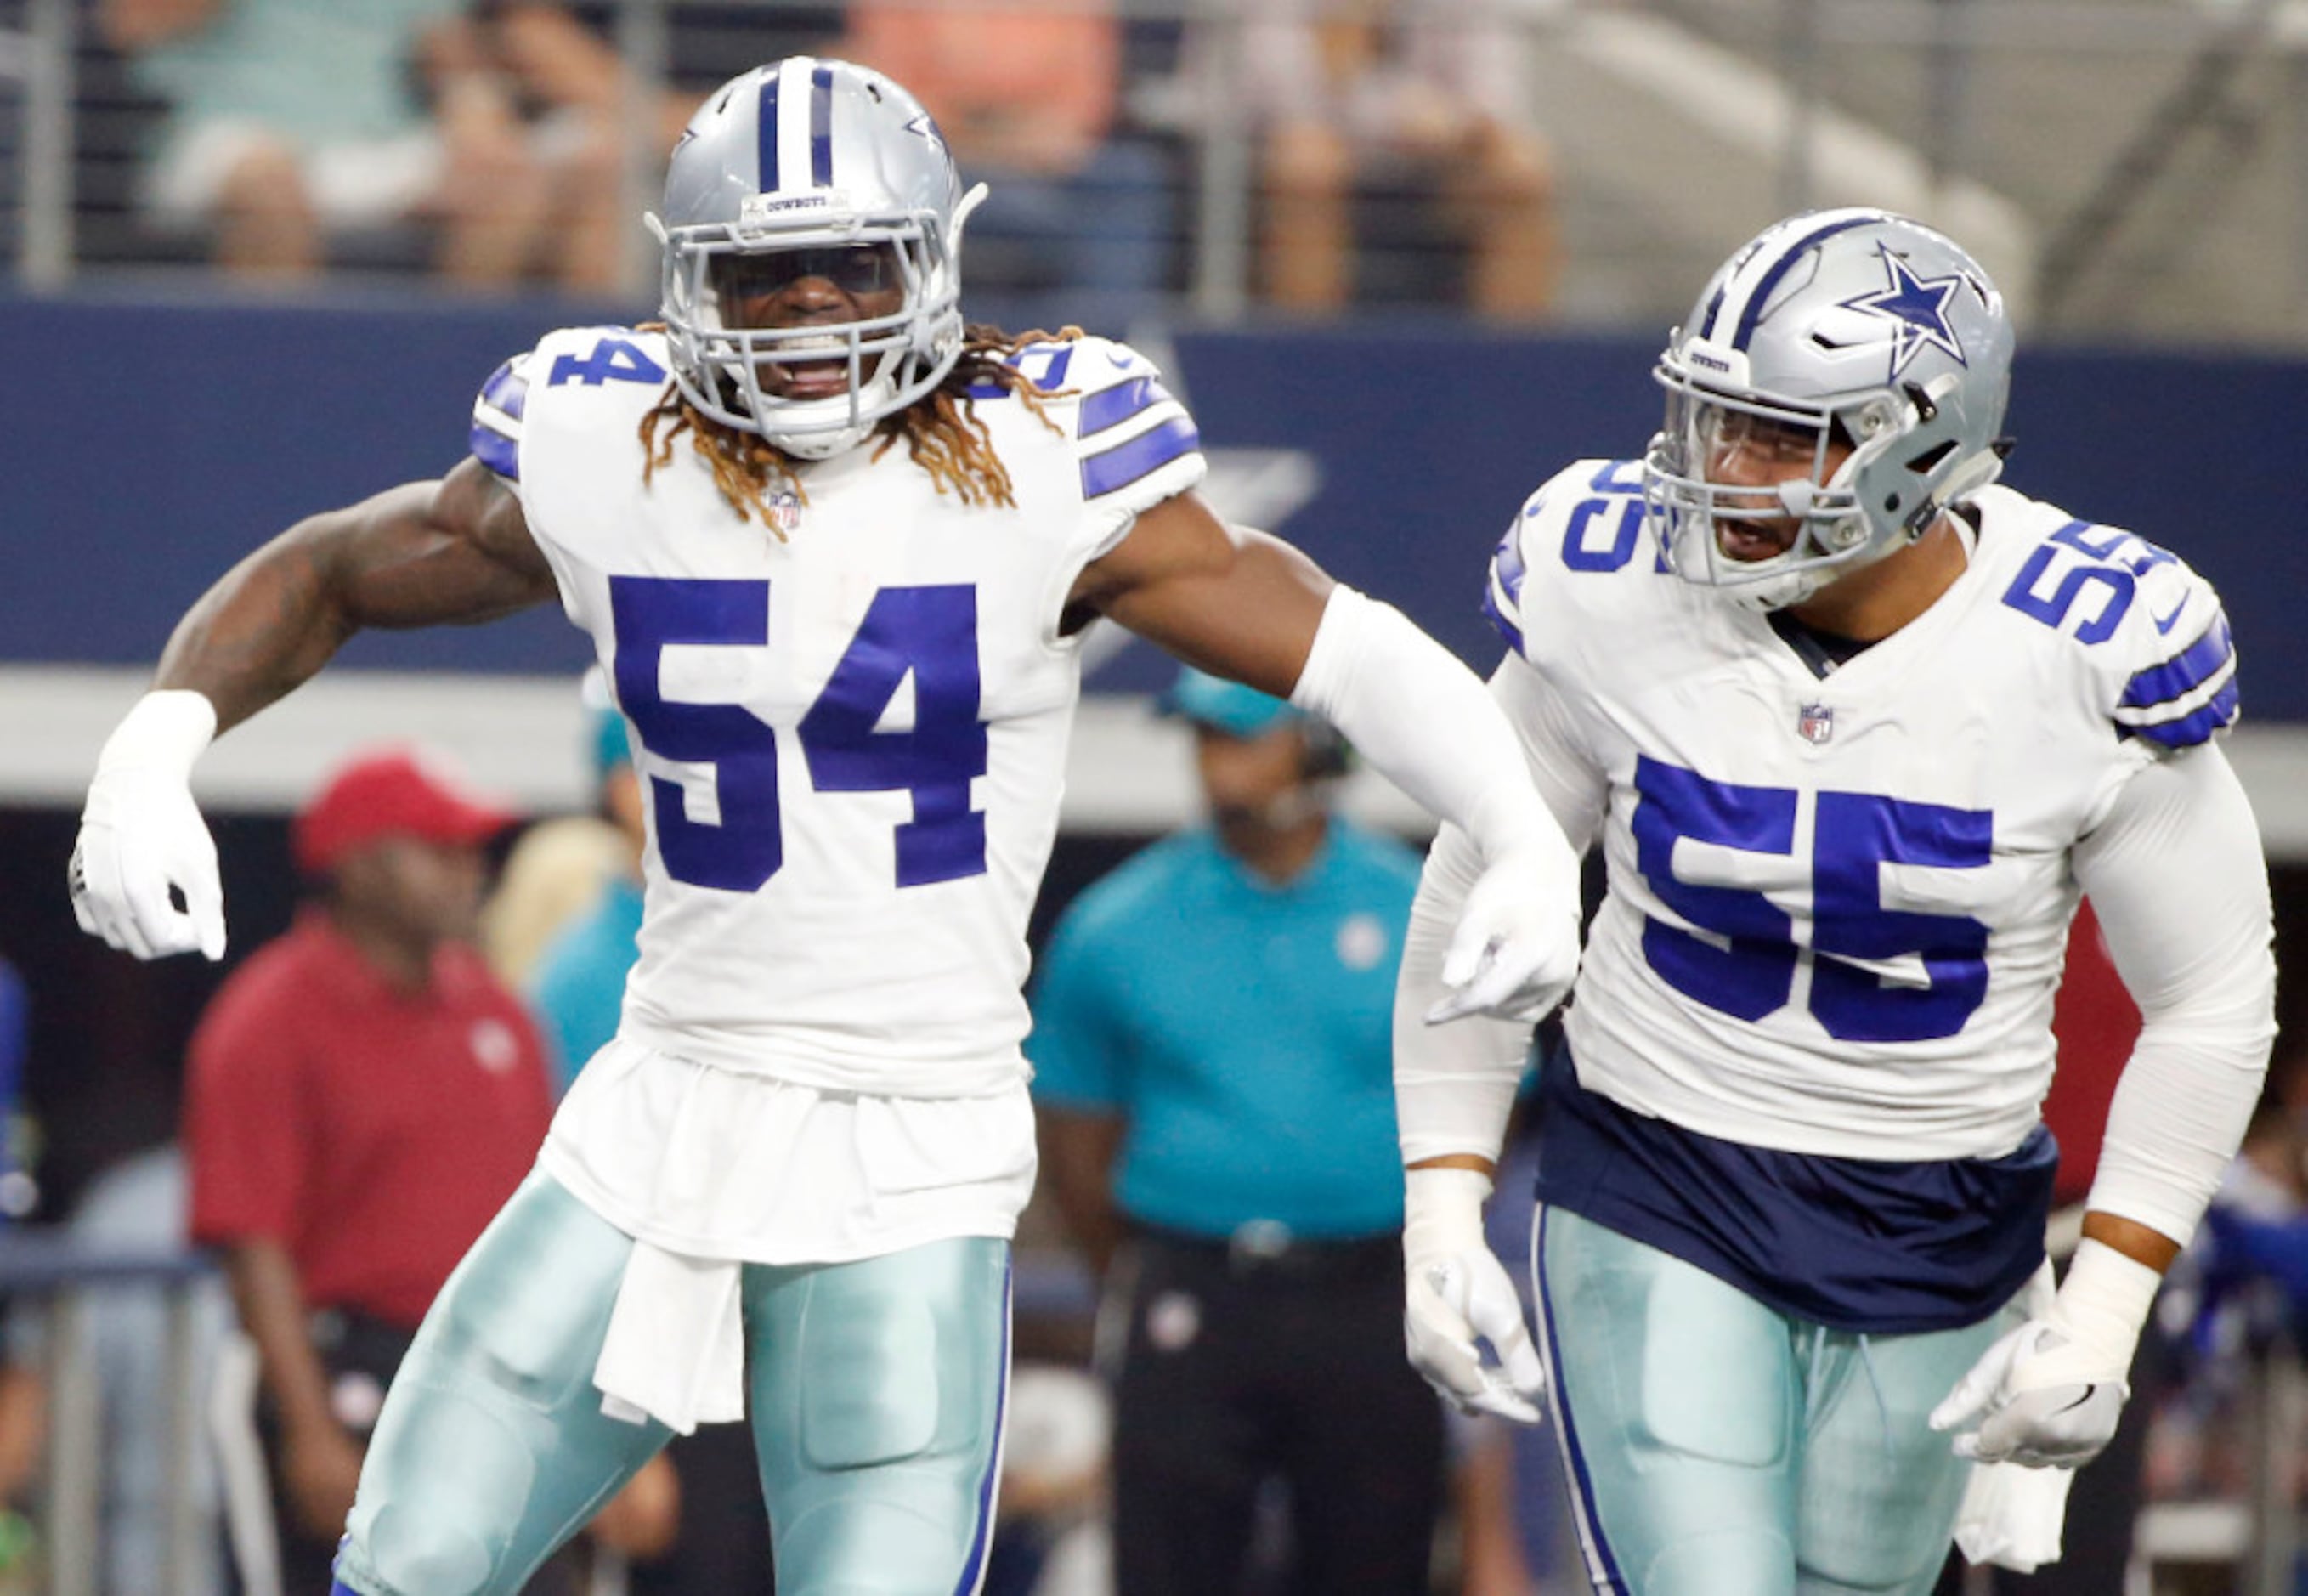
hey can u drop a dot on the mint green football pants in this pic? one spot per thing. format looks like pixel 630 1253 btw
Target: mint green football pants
pixel 874 1389
pixel 1719 1447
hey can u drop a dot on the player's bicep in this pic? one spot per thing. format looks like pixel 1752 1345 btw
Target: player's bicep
pixel 1232 600
pixel 2178 879
pixel 430 553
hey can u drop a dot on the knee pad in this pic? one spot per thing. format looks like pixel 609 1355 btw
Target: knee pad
pixel 1717 1563
pixel 451 1495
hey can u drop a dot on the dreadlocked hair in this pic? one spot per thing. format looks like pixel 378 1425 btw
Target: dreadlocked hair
pixel 943 432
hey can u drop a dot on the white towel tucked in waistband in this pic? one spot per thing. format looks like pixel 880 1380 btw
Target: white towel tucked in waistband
pixel 675 1349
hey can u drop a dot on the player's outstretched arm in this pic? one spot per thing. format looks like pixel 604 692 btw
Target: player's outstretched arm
pixel 457 549
pixel 425 553
pixel 1248 606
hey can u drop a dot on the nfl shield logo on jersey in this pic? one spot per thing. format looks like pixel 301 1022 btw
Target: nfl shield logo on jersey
pixel 1816 721
pixel 785 510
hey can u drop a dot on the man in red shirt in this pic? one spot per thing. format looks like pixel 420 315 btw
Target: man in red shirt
pixel 362 1097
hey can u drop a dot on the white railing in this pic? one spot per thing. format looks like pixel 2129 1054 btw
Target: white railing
pixel 69 1284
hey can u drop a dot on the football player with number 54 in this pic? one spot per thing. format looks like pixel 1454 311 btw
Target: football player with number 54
pixel 834 549
pixel 1856 727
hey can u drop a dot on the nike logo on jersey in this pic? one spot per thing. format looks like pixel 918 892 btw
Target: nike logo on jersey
pixel 2164 623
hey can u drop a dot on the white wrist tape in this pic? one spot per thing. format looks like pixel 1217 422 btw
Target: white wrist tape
pixel 2103 1304
pixel 1442 1211
pixel 166 732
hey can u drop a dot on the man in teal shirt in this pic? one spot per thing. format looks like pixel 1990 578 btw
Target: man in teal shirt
pixel 578 988
pixel 1213 1071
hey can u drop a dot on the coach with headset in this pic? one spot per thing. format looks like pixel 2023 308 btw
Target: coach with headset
pixel 1213 1076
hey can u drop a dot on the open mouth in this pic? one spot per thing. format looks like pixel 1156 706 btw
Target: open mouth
pixel 1747 541
pixel 802 372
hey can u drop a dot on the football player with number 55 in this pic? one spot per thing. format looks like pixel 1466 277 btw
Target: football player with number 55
pixel 835 551
pixel 1855 726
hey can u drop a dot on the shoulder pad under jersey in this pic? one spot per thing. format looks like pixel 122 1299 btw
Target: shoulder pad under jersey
pixel 1588 516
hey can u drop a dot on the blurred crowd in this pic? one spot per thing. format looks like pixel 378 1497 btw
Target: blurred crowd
pixel 486 141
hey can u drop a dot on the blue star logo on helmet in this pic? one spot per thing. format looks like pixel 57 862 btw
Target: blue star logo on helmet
pixel 1919 304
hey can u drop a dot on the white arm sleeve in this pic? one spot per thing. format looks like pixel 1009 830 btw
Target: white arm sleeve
pixel 1423 720
pixel 2176 875
pixel 1455 1084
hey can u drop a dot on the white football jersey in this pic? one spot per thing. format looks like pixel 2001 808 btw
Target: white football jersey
pixel 1838 903
pixel 851 728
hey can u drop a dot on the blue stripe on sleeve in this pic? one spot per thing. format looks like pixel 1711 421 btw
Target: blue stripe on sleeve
pixel 1507 572
pixel 1110 407
pixel 507 390
pixel 495 450
pixel 2185 671
pixel 1506 561
pixel 2192 730
pixel 1500 622
pixel 821 126
pixel 1148 452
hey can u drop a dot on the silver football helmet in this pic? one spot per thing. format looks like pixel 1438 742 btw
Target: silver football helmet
pixel 818 156
pixel 1854 328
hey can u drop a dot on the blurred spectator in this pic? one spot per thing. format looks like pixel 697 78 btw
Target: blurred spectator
pixel 292 122
pixel 23 1390
pixel 23 1442
pixel 1052 1539
pixel 1212 1053
pixel 2236 1297
pixel 1416 98
pixel 577 986
pixel 17 1193
pixel 577 990
pixel 555 872
pixel 362 1096
pixel 1026 96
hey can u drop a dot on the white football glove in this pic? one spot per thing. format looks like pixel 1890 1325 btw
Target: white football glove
pixel 1455 1291
pixel 2048 1394
pixel 1515 950
pixel 141 832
